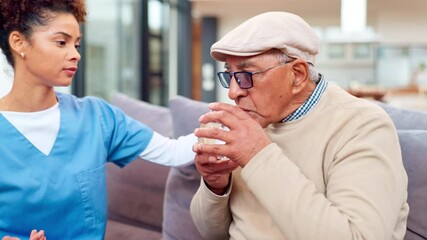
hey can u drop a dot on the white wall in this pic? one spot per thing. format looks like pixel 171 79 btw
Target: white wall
pixel 403 27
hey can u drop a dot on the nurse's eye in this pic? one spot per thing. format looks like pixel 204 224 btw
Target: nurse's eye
pixel 61 43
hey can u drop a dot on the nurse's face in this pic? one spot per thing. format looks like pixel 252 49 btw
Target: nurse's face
pixel 50 55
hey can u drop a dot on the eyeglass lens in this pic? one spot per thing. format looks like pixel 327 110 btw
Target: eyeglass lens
pixel 243 79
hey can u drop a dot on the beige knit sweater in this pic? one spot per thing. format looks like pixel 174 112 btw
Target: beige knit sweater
pixel 335 174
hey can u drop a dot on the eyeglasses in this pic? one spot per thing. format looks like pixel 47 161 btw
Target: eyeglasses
pixel 243 78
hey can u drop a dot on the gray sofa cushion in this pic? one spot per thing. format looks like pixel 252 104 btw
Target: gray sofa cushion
pixel 185 114
pixel 182 182
pixel 406 118
pixel 414 154
pixel 136 192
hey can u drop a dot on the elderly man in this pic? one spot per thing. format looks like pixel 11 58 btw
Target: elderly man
pixel 305 159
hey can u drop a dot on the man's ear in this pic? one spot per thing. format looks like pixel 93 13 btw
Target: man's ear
pixel 301 75
pixel 17 42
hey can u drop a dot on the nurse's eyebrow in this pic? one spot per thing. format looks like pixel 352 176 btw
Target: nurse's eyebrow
pixel 67 35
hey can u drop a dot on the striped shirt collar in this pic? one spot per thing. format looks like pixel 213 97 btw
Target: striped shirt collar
pixel 309 103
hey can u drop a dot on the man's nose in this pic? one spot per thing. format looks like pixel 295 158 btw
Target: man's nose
pixel 235 91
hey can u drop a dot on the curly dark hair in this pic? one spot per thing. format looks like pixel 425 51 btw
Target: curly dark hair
pixel 24 15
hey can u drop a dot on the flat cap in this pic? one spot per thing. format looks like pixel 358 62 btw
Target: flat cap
pixel 281 30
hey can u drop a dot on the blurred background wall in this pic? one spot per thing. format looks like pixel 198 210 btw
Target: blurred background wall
pixel 155 49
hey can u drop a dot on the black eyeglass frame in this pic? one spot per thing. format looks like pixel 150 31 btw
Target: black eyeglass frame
pixel 225 77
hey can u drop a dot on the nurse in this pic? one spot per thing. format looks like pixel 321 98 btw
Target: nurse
pixel 54 146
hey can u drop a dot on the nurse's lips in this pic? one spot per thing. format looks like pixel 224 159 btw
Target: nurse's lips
pixel 70 71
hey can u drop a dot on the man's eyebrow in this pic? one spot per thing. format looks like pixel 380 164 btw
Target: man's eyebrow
pixel 244 64
pixel 240 65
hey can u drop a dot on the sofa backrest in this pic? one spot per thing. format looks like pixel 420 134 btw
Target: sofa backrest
pixel 414 154
pixel 411 127
pixel 406 119
pixel 136 192
pixel 157 117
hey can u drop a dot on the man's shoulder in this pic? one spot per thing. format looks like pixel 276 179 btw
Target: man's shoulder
pixel 337 101
pixel 339 96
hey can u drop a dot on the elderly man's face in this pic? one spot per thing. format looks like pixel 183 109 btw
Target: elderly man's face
pixel 270 98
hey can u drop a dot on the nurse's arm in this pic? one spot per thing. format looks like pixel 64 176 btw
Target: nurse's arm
pixel 170 152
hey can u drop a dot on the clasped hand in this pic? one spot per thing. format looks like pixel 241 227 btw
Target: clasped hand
pixel 243 141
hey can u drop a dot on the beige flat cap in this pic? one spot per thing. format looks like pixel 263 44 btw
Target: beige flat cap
pixel 282 30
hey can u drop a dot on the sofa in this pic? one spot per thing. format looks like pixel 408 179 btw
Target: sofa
pixel 148 201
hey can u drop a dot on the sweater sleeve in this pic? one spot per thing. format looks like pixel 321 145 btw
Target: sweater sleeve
pixel 364 184
pixel 210 213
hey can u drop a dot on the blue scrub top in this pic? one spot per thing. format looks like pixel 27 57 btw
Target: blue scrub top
pixel 64 193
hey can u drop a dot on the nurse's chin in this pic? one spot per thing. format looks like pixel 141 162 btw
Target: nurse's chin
pixel 64 83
